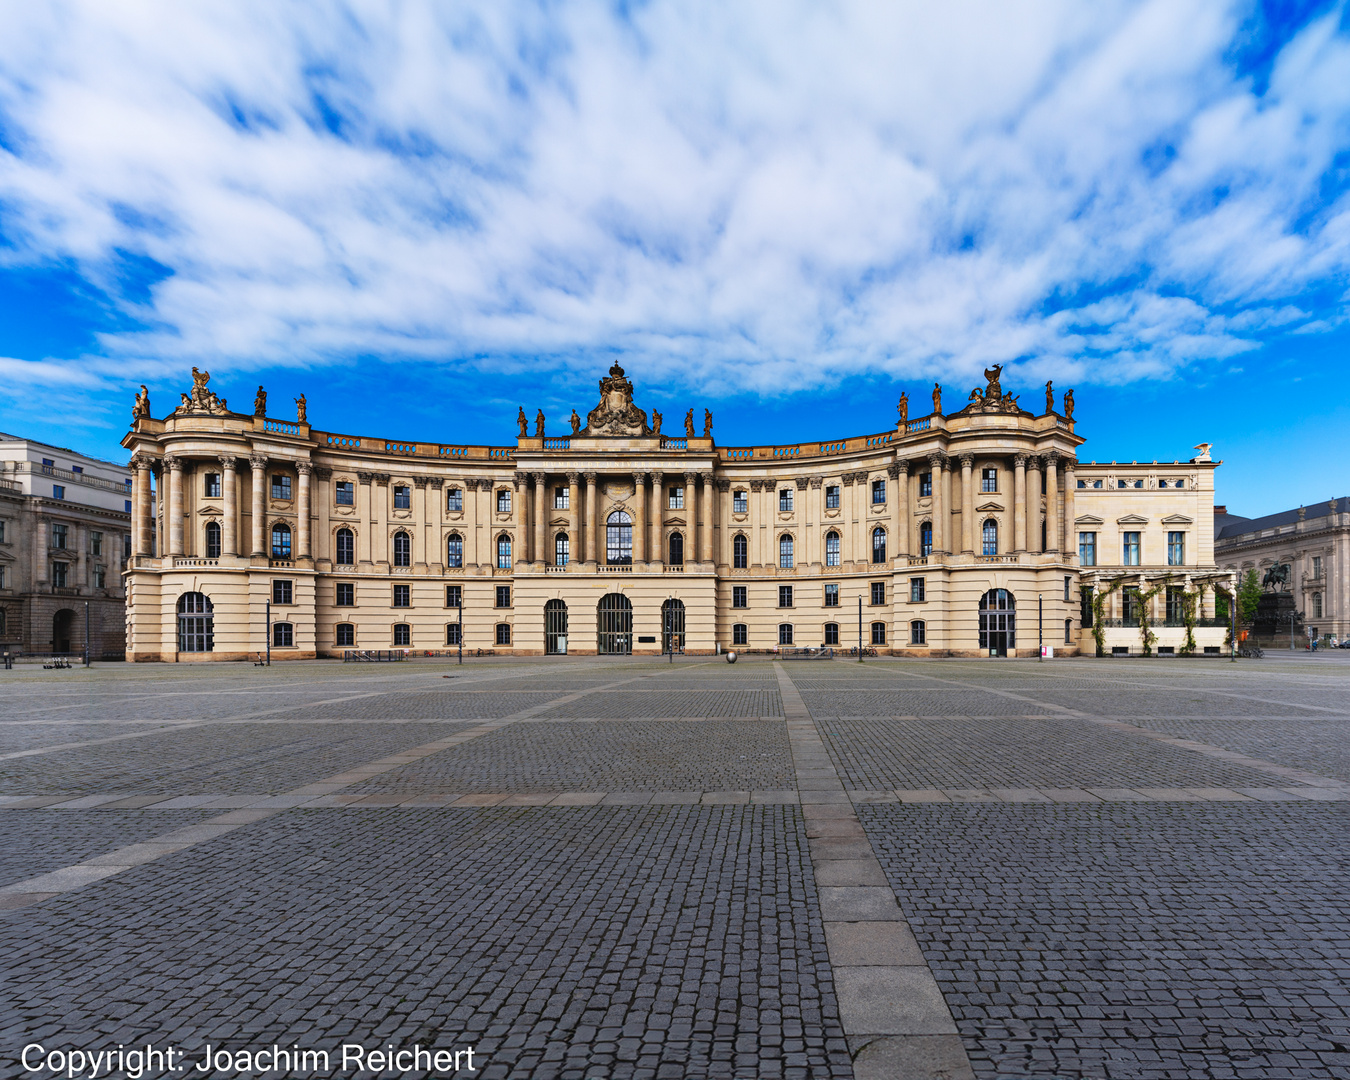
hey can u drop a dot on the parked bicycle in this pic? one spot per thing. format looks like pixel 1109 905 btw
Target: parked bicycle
pixel 867 650
pixel 1251 651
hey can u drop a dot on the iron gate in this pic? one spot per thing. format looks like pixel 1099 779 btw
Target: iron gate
pixel 555 627
pixel 614 624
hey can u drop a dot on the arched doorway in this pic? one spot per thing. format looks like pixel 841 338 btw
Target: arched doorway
pixel 196 623
pixel 672 626
pixel 998 622
pixel 63 625
pixel 614 625
pixel 555 628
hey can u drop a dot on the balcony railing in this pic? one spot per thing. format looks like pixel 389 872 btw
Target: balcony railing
pixel 72 477
pixel 557 444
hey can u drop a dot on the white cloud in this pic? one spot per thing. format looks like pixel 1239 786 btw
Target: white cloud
pixel 764 193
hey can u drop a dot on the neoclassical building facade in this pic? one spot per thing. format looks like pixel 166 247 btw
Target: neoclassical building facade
pixel 974 532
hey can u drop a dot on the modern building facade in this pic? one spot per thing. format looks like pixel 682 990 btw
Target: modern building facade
pixel 65 538
pixel 1313 542
pixel 956 533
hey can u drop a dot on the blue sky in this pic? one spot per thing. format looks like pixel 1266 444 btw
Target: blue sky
pixel 425 215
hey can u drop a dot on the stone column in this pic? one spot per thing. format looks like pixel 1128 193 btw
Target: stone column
pixel 365 518
pixel 1035 488
pixel 417 530
pixel 379 508
pixel 949 536
pixel 229 489
pixel 323 499
pixel 705 547
pixel 175 511
pixel 658 516
pixel 520 511
pixel 145 522
pixel 594 554
pixel 541 553
pixel 639 517
pixel 899 474
pixel 578 547
pixel 1070 545
pixel 1020 503
pixel 303 531
pixel 724 518
pixel 967 505
pixel 937 464
pixel 1052 501
pixel 258 462
pixel 691 515
pixel 434 501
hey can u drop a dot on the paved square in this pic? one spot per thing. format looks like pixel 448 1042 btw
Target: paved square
pixel 622 868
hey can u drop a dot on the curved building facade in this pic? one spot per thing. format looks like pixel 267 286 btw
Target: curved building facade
pixel 971 533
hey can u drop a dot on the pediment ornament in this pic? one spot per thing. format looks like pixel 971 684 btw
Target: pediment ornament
pixel 1088 519
pixel 616 415
pixel 990 508
pixel 1178 519
pixel 1132 519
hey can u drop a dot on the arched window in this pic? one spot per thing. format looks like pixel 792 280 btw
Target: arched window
pixel 619 539
pixel 926 538
pixel 503 633
pixel 785 551
pixel 1068 631
pixel 740 552
pixel 196 623
pixel 878 633
pixel 504 552
pixel 878 545
pixel 676 549
pixel 562 551
pixel 346 548
pixel 831 549
pixel 283 635
pixel 454 550
pixel 213 540
pixel 402 634
pixel 785 633
pixel 402 549
pixel 831 633
pixel 740 634
pixel 990 536
pixel 918 634
pixel 344 634
pixel 281 540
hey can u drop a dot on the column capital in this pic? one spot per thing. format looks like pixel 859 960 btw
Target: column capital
pixel 323 472
pixel 572 477
pixel 365 477
pixel 724 485
pixel 257 461
pixel 639 478
pixel 937 460
pixel 893 471
pixel 1069 464
pixel 707 479
pixel 847 479
pixel 436 482
pixel 142 461
pixel 967 461
pixel 520 478
pixel 173 462
pixel 1052 458
pixel 756 485
pixel 228 462
pixel 304 468
pixel 802 481
pixel 381 478
pixel 816 481
pixel 1020 461
pixel 590 478
pixel 419 481
pixel 690 478
pixel 539 478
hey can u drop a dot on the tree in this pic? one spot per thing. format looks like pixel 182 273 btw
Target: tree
pixel 1249 595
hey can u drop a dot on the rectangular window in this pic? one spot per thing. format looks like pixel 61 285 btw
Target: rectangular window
pixel 740 504
pixel 878 633
pixel 126 545
pixel 59 574
pixel 1176 604
pixel 878 593
pixel 1317 559
pixel 77 469
pixel 281 486
pixel 917 633
pixel 562 498
pixel 95 543
pixel 832 497
pixel 562 550
pixel 925 485
pixel 503 633
pixel 454 596
pixel 784 595
pixel 58 491
pixel 916 590
pixel 211 485
pixel 47 463
pixel 1176 549
pixel 99 577
pixel 832 594
pixel 402 596
pixel 878 492
pixel 1087 549
pixel 1130 549
pixel 738 634
pixel 282 592
pixel 831 633
pixel 344 594
pixel 126 508
pixel 738 596
pixel 504 501
pixel 283 635
pixel 503 595
pixel 989 481
pixel 1129 603
pixel 1085 606
pixel 676 500
pixel 2 532
pixel 785 501
pixel 1067 582
pixel 1068 631
pixel 344 634
pixel 59 534
pixel 344 493
pixel 454 500
pixel 402 497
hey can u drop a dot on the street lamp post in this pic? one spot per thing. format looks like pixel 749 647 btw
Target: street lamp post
pixel 267 632
pixel 460 605
pixel 860 657
pixel 1040 628
pixel 86 633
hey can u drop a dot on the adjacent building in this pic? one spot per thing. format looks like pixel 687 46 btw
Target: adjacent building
pixel 1313 542
pixel 970 532
pixel 65 538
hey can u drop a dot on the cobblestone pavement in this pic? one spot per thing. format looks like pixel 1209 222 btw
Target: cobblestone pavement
pixel 596 868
